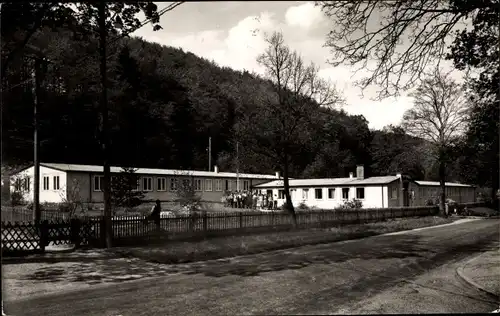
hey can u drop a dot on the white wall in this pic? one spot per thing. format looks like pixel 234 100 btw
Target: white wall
pixel 50 195
pixel 373 197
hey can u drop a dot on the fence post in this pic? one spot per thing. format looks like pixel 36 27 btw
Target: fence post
pixel 102 231
pixel 44 235
pixel 241 219
pixel 205 222
pixel 75 231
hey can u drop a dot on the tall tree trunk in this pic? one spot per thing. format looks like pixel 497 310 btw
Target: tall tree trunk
pixel 442 179
pixel 104 125
pixel 288 199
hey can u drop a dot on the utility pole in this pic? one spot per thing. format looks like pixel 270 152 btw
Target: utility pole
pixel 209 153
pixel 36 76
pixel 36 142
pixel 104 124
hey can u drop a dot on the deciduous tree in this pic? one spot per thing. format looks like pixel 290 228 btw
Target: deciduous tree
pixel 397 40
pixel 439 114
pixel 273 128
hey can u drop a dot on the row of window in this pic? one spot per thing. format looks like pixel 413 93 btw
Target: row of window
pixel 55 183
pixel 318 194
pixel 161 184
pixel 25 184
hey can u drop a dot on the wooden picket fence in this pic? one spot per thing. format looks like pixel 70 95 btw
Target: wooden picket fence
pixel 134 229
pixel 30 237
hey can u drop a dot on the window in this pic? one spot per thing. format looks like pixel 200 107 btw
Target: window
pixel 18 184
pixel 281 194
pixel 228 185
pixel 360 193
pixel 97 183
pixel 246 185
pixel 305 194
pixel 161 184
pixel 147 184
pixel 197 185
pixel 331 193
pixel 208 185
pixel 26 184
pixel 173 184
pixel 138 185
pixel 394 193
pixel 218 185
pixel 45 183
pixel 186 183
pixel 345 193
pixel 56 182
pixel 318 194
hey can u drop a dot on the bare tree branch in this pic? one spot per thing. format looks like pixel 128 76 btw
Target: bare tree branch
pixel 272 128
pixel 402 37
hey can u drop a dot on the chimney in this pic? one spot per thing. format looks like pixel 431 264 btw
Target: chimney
pixel 360 172
pixel 216 169
pixel 277 174
pixel 351 175
pixel 398 175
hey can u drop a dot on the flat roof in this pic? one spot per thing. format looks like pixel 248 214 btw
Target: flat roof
pixel 329 182
pixel 448 184
pixel 151 171
pixel 324 182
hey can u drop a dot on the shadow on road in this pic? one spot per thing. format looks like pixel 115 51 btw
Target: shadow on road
pixel 426 250
pixel 385 247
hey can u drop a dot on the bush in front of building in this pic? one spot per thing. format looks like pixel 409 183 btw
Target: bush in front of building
pixel 21 188
pixel 17 198
pixel 303 207
pixel 351 205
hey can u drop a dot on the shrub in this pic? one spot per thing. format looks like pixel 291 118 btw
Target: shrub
pixel 17 198
pixel 303 207
pixel 352 204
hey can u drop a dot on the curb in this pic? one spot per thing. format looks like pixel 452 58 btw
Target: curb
pixel 460 272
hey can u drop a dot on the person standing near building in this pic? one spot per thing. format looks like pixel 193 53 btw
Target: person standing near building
pixel 155 214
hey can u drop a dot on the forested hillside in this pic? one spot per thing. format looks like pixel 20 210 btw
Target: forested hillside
pixel 165 103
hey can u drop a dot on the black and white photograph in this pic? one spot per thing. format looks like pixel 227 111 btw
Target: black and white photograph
pixel 250 157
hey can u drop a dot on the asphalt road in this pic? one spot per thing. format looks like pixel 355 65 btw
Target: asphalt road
pixel 403 273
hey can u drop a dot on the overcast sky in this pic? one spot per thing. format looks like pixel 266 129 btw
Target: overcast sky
pixel 225 32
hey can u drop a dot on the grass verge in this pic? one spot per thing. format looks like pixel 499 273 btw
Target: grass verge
pixel 225 247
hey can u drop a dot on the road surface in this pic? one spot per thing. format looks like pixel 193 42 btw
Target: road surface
pixel 404 273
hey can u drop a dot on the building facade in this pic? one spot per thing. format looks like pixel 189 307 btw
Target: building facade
pixel 59 182
pixel 373 192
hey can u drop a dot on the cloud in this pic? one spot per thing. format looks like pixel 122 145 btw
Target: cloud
pixel 238 45
pixel 305 15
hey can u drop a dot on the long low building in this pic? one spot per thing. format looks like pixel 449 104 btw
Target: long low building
pixel 59 182
pixel 374 192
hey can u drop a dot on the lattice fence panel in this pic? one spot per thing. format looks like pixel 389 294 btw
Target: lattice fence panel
pixel 20 237
pixel 59 232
